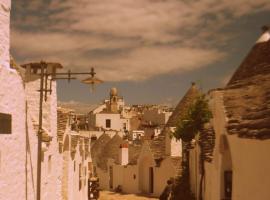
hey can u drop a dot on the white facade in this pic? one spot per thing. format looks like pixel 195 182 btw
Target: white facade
pixel 5 7
pixel 160 173
pixel 173 147
pixel 111 115
pixel 18 150
pixel 12 146
pixel 124 176
pixel 51 158
pixel 250 171
pixel 110 121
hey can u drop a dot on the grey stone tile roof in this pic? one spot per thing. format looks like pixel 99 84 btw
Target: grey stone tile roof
pixel 182 106
pixel 247 95
pixel 157 145
pixel 98 146
pixel 62 119
pixel 110 150
pixel 134 151
pixel 207 142
pixel 38 65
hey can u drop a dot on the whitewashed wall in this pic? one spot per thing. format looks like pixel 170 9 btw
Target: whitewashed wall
pixel 249 157
pixel 5 6
pixel 131 179
pixel 12 146
pixel 163 173
pixel 125 176
pixel 145 161
pixel 52 159
pixel 116 123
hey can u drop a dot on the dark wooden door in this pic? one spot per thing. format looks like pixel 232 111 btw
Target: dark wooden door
pixel 228 177
pixel 111 177
pixel 151 180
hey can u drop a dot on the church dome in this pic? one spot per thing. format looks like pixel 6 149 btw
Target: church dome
pixel 113 91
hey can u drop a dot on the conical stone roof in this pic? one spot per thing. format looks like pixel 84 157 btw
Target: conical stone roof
pixel 257 61
pixel 181 108
pixel 98 146
pixel 110 150
pixel 158 145
pixel 247 95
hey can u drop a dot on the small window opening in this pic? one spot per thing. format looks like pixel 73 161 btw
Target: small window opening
pixel 108 123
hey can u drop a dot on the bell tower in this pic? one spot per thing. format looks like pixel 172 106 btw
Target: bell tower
pixel 113 100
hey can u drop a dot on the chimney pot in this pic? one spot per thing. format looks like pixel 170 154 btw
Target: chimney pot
pixel 123 154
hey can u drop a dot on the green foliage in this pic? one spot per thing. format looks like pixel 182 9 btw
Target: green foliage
pixel 196 116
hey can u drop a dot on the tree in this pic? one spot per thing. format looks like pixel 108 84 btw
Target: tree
pixel 197 115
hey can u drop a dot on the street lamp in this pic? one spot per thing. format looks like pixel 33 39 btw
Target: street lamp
pixel 48 74
pixel 92 80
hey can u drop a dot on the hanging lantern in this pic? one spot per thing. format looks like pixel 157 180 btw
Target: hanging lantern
pixel 92 80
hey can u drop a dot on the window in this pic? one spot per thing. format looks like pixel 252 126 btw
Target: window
pixel 108 123
pixel 151 180
pixel 125 126
pixel 95 171
pixel 111 177
pixel 49 164
pixel 5 123
pixel 80 176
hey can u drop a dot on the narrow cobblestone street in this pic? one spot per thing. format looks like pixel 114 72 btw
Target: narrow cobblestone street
pixel 106 195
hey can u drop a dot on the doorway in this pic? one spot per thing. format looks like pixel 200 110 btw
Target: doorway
pixel 151 180
pixel 111 177
pixel 228 177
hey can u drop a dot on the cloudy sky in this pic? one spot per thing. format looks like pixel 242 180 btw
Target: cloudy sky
pixel 151 50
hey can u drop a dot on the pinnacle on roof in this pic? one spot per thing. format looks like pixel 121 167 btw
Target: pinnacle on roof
pixel 257 61
pixel 247 96
pixel 265 34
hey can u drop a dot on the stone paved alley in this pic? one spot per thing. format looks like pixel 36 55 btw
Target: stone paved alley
pixel 106 195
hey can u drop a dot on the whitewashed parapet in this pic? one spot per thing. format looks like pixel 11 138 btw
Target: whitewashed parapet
pixel 5 6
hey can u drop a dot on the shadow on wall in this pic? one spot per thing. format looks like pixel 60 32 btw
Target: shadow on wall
pixel 28 153
pixel 226 178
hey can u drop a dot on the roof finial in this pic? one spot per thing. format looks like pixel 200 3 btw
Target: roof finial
pixel 265 28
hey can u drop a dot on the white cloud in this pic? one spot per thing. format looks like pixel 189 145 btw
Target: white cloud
pixel 127 39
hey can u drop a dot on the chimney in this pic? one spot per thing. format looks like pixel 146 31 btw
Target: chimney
pixel 123 154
